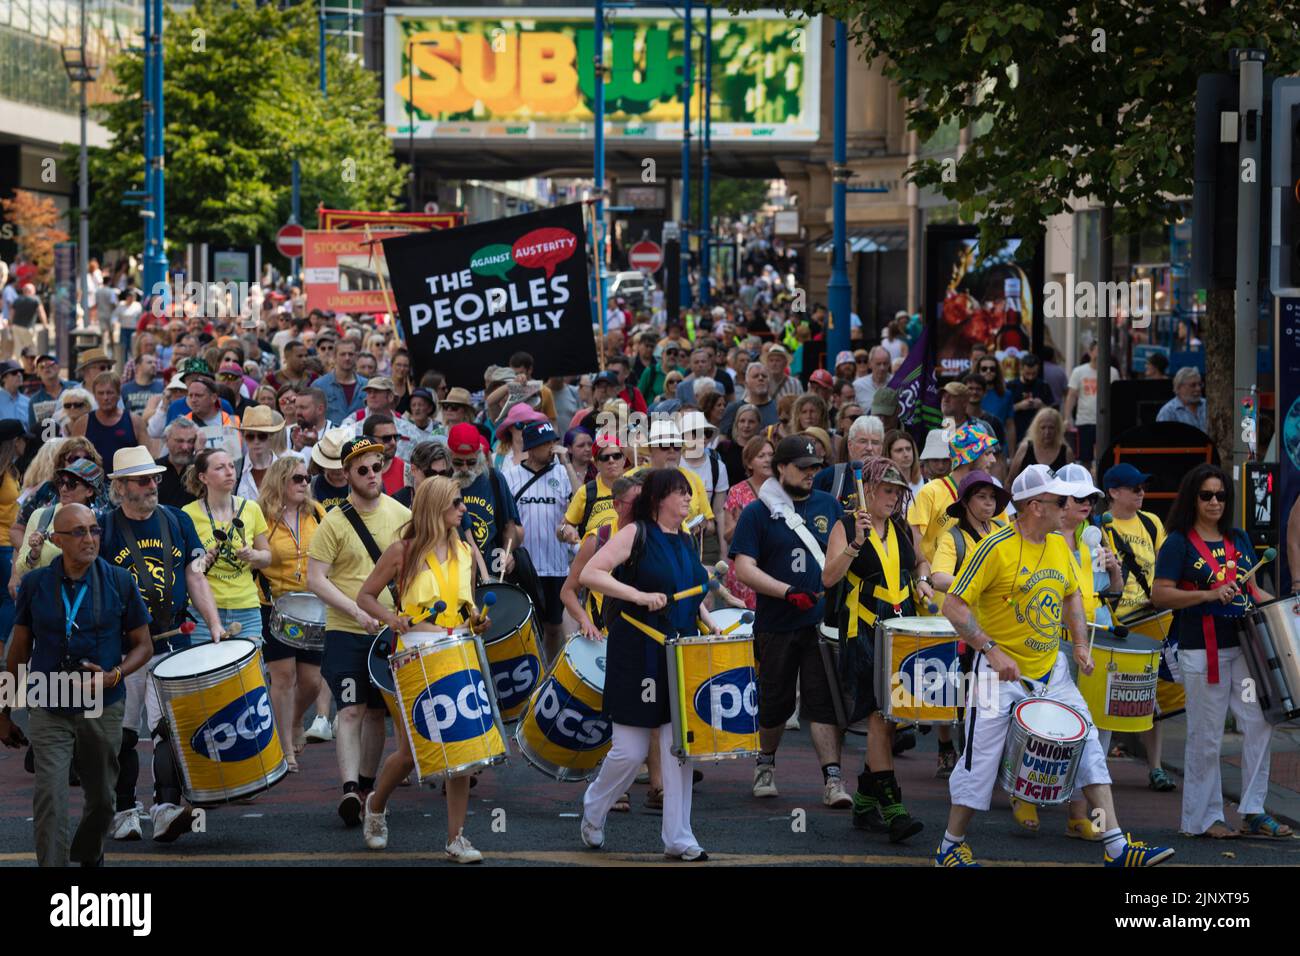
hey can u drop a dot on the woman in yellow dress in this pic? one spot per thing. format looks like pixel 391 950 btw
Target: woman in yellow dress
pixel 430 563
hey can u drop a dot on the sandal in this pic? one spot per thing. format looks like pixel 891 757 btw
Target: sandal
pixel 292 764
pixel 1220 831
pixel 623 804
pixel 1262 825
pixel 1026 814
pixel 1082 828
pixel 1160 781
pixel 654 800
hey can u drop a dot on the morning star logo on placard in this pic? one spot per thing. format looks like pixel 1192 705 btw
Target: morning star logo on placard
pixel 465 296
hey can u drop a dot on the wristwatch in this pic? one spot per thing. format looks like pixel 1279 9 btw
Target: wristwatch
pixel 923 579
pixel 989 646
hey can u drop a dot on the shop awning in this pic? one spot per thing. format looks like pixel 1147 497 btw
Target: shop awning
pixel 874 239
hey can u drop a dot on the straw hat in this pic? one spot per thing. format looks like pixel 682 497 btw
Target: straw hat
pixel 134 462
pixel 92 357
pixel 328 452
pixel 262 418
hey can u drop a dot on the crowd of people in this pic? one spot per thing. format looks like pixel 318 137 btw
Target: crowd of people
pixel 211 465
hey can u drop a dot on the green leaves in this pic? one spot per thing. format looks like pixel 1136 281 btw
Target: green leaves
pixel 238 110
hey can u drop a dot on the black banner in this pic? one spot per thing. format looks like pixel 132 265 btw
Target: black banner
pixel 467 298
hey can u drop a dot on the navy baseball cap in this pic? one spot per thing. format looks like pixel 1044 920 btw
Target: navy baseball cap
pixel 1123 475
pixel 608 378
pixel 538 433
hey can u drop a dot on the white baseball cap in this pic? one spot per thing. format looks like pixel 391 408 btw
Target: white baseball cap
pixel 1038 480
pixel 1079 479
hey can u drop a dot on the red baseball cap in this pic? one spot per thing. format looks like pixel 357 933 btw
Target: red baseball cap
pixel 464 439
pixel 822 378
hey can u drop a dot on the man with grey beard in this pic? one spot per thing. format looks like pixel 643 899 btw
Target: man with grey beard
pixel 182 437
pixel 491 518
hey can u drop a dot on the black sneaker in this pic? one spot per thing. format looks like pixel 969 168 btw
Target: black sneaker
pixel 904 740
pixel 351 808
pixel 866 814
pixel 901 823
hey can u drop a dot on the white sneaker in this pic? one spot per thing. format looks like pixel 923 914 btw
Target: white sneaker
pixel 765 780
pixel 171 822
pixel 835 796
pixel 126 824
pixel 793 722
pixel 460 850
pixel 320 730
pixel 375 828
pixel 592 836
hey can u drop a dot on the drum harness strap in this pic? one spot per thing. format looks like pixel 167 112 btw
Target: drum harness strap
pixel 161 613
pixel 368 541
pixel 1216 574
pixel 1128 559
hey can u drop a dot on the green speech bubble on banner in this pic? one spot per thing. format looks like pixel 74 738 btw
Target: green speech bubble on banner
pixel 494 260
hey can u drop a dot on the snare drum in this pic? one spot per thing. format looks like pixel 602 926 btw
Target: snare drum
pixel 918 674
pixel 447 712
pixel 1044 746
pixel 1121 690
pixel 843 700
pixel 562 732
pixel 219 717
pixel 713 696
pixel 512 649
pixel 1271 642
pixel 298 620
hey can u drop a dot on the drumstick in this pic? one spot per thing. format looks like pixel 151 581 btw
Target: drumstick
pixel 187 627
pixel 710 585
pixel 746 618
pixel 428 612
pixel 1268 555
pixel 1119 630
pixel 509 544
pixel 857 478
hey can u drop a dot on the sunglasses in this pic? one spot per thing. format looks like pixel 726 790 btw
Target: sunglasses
pixel 1219 496
pixel 1081 501
pixel 93 530
pixel 608 457
pixel 74 404
pixel 1058 502
pixel 256 436
pixel 464 462
pixel 145 481
pixel 437 473
pixel 365 471
pixel 69 483
pixel 457 502
pixel 300 479
pixel 386 438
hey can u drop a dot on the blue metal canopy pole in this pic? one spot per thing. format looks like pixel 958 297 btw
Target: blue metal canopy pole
pixel 686 157
pixel 155 255
pixel 599 223
pixel 839 292
pixel 706 227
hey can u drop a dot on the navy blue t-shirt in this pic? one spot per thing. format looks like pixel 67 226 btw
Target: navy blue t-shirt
pixel 185 546
pixel 106 609
pixel 481 520
pixel 824 480
pixel 781 553
pixel 1180 561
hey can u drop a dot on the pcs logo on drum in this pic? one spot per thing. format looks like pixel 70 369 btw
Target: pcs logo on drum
pixel 514 679
pixel 454 708
pixel 571 724
pixel 238 731
pixel 729 701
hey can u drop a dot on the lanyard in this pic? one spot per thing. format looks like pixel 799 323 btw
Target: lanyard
pixel 447 576
pixel 70 623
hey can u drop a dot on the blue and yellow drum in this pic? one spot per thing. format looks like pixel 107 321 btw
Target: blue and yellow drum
pixel 512 650
pixel 562 732
pixel 219 717
pixel 713 700
pixel 448 712
pixel 1121 690
pixel 918 674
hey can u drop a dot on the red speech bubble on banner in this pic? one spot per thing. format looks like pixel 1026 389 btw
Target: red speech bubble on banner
pixel 544 248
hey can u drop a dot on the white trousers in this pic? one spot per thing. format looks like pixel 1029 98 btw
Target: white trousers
pixel 989 703
pixel 623 762
pixel 1207 706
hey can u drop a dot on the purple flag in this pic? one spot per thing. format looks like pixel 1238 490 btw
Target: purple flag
pixel 918 390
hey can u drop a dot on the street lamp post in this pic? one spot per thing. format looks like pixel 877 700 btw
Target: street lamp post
pixel 599 160
pixel 81 71
pixel 706 227
pixel 838 290
pixel 686 157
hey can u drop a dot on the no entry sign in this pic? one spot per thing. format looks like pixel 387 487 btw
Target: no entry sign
pixel 289 240
pixel 646 256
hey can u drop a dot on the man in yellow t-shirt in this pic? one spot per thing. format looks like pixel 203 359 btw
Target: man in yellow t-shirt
pixel 971 448
pixel 666 445
pixel 338 563
pixel 581 518
pixel 1008 604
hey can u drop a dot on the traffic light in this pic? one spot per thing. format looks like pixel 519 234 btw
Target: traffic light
pixel 1284 254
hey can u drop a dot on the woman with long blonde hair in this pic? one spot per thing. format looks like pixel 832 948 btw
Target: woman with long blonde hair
pixel 292 517
pixel 1043 444
pixel 53 457
pixel 431 562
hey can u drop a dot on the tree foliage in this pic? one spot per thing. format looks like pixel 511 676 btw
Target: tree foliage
pixel 241 101
pixel 37 218
pixel 733 198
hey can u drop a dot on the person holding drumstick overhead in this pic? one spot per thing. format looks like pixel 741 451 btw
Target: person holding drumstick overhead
pixel 293 517
pixel 432 564
pixel 875 550
pixel 1009 604
pixel 1197 574
pixel 655 560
